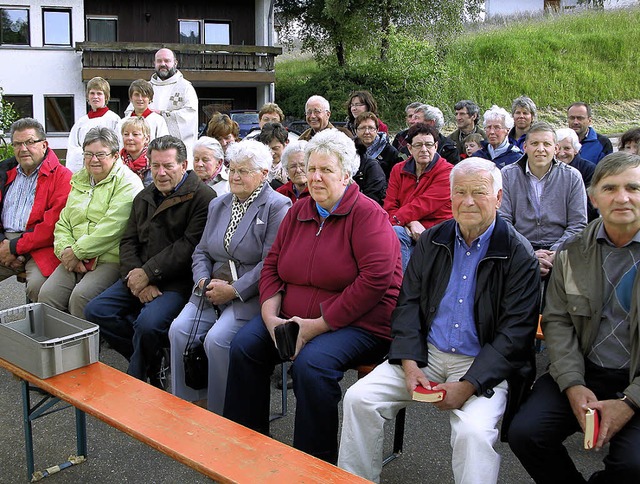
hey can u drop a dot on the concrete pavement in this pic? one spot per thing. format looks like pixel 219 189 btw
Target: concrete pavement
pixel 115 457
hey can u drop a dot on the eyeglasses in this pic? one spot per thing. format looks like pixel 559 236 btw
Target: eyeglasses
pixel 315 112
pixel 356 105
pixel 294 168
pixel 27 144
pixel 419 146
pixel 242 172
pixel 101 156
pixel 364 129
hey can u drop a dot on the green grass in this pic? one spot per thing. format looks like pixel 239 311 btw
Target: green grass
pixel 555 60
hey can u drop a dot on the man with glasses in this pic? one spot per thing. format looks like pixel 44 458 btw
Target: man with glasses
pixel 497 122
pixel 418 194
pixel 166 222
pixel 595 146
pixel 317 114
pixel 33 190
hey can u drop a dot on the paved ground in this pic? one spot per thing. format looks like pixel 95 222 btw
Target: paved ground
pixel 117 458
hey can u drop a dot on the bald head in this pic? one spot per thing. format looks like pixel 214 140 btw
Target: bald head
pixel 165 63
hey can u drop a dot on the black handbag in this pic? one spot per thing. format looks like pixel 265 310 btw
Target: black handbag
pixel 286 336
pixel 194 358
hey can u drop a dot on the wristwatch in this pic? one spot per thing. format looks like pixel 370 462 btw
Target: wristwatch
pixel 632 405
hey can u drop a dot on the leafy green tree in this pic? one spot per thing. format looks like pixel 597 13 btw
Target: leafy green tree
pixel 7 116
pixel 335 28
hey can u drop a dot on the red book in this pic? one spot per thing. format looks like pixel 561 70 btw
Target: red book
pixel 591 428
pixel 421 394
pixel 90 264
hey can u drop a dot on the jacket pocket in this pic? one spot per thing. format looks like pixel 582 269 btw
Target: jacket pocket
pixel 578 306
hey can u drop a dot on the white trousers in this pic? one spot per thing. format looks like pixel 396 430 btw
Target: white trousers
pixel 379 396
pixel 216 344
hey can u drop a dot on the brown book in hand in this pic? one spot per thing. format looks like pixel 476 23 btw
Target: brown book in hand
pixel 421 394
pixel 591 428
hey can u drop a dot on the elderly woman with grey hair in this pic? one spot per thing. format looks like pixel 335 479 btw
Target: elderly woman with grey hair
pixel 569 152
pixel 524 111
pixel 498 148
pixel 334 270
pixel 87 234
pixel 241 226
pixel 292 160
pixel 208 163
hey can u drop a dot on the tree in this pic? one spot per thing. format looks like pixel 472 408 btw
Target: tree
pixel 7 116
pixel 337 27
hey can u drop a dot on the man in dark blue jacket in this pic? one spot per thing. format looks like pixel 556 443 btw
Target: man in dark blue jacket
pixel 466 319
pixel 594 146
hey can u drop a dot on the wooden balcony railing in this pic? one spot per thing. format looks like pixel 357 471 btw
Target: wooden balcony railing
pixel 191 57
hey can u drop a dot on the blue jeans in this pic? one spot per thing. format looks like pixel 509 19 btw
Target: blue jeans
pixel 137 331
pixel 316 374
pixel 406 245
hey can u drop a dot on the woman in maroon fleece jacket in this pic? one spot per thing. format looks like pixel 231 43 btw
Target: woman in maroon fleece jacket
pixel 335 269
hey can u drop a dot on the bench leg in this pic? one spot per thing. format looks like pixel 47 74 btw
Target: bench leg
pixel 398 437
pixel 28 429
pixel 46 406
pixel 81 433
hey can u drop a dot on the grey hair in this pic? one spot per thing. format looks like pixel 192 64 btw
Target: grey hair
pixel 432 113
pixel 474 165
pixel 168 142
pixel 501 114
pixel 210 144
pixel 333 142
pixel 471 107
pixel 321 100
pixel 27 123
pixel 412 105
pixel 563 133
pixel 106 136
pixel 612 164
pixel 258 154
pixel 292 148
pixel 524 102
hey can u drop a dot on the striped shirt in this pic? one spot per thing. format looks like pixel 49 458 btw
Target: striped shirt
pixel 18 201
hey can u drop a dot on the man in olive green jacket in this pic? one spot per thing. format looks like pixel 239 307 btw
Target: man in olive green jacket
pixel 591 327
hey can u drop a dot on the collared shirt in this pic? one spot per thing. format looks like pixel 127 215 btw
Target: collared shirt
pixel 19 199
pixel 537 186
pixel 453 329
pixel 612 345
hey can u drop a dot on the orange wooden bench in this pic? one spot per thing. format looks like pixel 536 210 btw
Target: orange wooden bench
pixel 212 445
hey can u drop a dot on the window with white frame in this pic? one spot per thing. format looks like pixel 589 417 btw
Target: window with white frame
pixel 56 26
pixel 14 26
pixel 102 29
pixel 204 32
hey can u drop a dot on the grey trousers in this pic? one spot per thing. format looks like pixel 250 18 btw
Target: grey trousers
pixel 71 291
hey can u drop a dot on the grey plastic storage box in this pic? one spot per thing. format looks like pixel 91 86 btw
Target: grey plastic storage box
pixel 45 341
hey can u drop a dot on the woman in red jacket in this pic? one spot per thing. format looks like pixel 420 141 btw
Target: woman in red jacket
pixel 334 269
pixel 419 191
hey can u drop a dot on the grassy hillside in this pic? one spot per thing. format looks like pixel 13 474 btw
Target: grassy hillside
pixel 554 59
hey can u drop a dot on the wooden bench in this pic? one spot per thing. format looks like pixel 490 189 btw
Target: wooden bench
pixel 212 445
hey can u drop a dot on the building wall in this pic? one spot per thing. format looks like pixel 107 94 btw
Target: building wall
pixel 39 70
pixel 161 24
pixel 502 7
